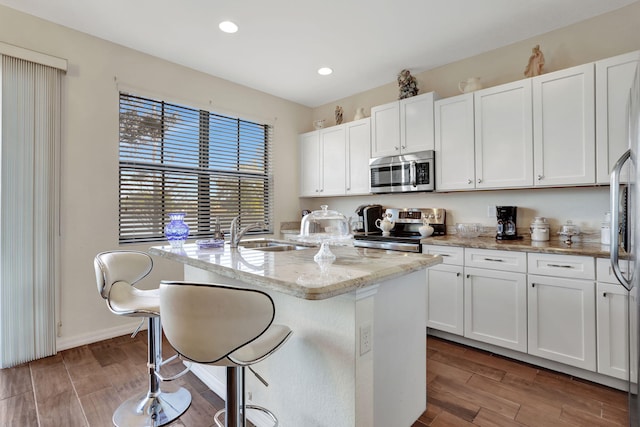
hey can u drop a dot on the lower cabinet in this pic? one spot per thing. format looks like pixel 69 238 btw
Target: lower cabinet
pixel 612 310
pixel 445 290
pixel 551 306
pixel 562 320
pixel 495 307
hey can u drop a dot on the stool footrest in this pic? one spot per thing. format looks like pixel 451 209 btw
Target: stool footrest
pixel 219 423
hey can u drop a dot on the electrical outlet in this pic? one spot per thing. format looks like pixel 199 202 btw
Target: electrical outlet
pixel 491 211
pixel 365 339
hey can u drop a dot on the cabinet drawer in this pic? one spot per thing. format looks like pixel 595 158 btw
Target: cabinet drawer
pixel 450 254
pixel 571 266
pixel 496 260
pixel 605 272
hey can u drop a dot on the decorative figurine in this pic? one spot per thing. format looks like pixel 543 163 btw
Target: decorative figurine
pixel 536 62
pixel 338 115
pixel 359 114
pixel 408 84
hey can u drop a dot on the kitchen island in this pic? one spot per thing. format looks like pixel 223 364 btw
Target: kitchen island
pixel 357 356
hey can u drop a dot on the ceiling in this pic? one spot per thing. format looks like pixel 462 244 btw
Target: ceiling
pixel 282 43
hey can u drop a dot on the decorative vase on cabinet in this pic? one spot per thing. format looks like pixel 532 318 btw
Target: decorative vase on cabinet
pixel 176 230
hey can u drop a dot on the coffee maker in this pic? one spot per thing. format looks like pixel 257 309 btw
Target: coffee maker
pixel 506 229
pixel 366 220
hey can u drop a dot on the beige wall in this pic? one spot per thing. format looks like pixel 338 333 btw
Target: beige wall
pixel 89 210
pixel 601 37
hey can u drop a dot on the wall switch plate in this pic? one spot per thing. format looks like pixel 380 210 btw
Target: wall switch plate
pixel 491 211
pixel 365 339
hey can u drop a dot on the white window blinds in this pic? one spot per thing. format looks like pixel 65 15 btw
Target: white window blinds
pixel 179 159
pixel 29 196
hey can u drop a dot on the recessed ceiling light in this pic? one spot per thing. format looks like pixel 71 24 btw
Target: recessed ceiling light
pixel 325 71
pixel 228 27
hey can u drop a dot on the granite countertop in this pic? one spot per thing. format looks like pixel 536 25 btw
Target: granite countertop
pixel 553 246
pixel 295 272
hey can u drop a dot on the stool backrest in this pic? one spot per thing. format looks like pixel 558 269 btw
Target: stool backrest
pixel 205 322
pixel 120 266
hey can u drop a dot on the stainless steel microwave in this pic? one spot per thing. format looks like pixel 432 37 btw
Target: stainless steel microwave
pixel 401 174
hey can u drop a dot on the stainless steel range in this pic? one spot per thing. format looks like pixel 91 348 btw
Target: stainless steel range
pixel 404 235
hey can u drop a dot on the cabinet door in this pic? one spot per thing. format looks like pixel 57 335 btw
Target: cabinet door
pixel 385 130
pixel 358 154
pixel 332 161
pixel 504 136
pixel 613 330
pixel 562 320
pixel 495 307
pixel 455 163
pixel 416 123
pixel 613 81
pixel 563 127
pixel 309 164
pixel 445 297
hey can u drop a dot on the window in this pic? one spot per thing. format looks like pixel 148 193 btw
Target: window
pixel 179 159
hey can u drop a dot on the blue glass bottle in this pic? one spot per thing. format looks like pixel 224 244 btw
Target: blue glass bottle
pixel 176 231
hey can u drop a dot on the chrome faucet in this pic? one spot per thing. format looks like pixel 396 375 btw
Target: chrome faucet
pixel 236 235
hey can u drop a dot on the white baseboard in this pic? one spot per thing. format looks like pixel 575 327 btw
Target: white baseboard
pixel 95 336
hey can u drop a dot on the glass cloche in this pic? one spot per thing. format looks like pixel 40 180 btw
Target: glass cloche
pixel 325 227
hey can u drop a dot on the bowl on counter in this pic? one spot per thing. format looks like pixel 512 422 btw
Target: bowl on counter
pixel 468 229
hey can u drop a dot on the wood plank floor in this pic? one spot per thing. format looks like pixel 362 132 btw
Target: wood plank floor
pixel 466 387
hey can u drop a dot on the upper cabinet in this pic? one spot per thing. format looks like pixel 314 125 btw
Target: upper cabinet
pixel 334 161
pixel 484 139
pixel 563 127
pixel 454 143
pixel 404 126
pixel 613 80
pixel 503 136
pixel 358 152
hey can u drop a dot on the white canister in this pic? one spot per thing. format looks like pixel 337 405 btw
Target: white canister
pixel 540 229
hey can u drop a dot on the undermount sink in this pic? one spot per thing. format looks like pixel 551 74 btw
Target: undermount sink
pixel 269 245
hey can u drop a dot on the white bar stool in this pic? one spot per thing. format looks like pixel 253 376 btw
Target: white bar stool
pixel 116 273
pixel 224 326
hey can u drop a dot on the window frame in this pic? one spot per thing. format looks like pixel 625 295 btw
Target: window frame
pixel 200 181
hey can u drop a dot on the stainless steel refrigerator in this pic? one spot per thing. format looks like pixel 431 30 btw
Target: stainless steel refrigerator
pixel 625 234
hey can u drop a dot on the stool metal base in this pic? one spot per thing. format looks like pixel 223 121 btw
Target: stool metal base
pixel 219 423
pixel 149 411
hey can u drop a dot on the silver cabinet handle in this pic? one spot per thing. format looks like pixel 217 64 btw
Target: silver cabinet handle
pixel 494 259
pixel 396 148
pixel 479 180
pixel 559 265
pixel 614 207
pixel 468 276
pixel 604 294
pixel 403 147
pixel 539 177
pixel 457 274
pixel 469 181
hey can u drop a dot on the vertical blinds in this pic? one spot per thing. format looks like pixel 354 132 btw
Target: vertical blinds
pixel 30 121
pixel 179 159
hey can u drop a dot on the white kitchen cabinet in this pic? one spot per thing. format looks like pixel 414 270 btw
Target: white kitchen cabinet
pixel 454 142
pixel 562 320
pixel 309 147
pixel 445 290
pixel 504 136
pixel 612 309
pixel 404 126
pixel 358 152
pixel 495 300
pixel 332 161
pixel 613 328
pixel 322 162
pixel 563 127
pixel 613 81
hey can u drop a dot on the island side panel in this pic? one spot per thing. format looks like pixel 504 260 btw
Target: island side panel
pixel 400 344
pixel 312 378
